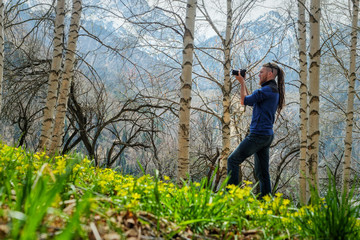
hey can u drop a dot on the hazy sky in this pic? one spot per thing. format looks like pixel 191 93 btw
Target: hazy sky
pixel 267 5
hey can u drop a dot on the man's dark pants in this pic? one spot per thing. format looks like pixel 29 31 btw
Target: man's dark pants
pixel 259 145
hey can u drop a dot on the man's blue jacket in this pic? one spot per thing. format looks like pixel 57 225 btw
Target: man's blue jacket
pixel 265 102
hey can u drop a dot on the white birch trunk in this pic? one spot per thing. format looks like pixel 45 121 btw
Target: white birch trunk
pixel 68 74
pixel 185 92
pixel 350 102
pixel 226 95
pixel 303 102
pixel 314 74
pixel 1 49
pixel 49 110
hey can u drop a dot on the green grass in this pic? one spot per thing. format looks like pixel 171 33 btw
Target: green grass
pixel 67 198
pixel 333 217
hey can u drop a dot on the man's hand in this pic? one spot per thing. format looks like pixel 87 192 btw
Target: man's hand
pixel 240 79
pixel 243 89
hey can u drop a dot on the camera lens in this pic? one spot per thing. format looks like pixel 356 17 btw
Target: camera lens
pixel 243 72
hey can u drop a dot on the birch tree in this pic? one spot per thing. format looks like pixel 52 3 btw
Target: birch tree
pixel 303 99
pixel 350 101
pixel 68 74
pixel 48 118
pixel 314 82
pixel 226 93
pixel 185 94
pixel 225 84
pixel 1 49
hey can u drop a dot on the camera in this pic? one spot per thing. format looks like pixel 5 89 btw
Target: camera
pixel 241 71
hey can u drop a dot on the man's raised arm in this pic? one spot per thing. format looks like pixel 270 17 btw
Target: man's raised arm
pixel 243 89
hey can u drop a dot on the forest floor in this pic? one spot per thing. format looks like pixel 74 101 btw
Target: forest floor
pixel 66 197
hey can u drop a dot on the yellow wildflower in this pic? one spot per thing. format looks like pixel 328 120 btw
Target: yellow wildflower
pixel 247 182
pixel 249 212
pixel 60 165
pixel 136 196
pixel 286 220
pixel 267 198
pixel 77 167
pixel 103 183
pixel 278 195
pixel 286 202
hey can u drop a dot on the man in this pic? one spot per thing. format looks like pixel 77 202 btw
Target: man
pixel 265 102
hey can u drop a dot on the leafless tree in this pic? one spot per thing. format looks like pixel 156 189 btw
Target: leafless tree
pixel 54 77
pixel 185 90
pixel 68 73
pixel 314 83
pixel 1 49
pixel 351 93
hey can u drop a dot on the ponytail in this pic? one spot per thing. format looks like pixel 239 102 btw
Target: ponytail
pixel 280 82
pixel 281 88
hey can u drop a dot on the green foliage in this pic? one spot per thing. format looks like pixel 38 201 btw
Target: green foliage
pixel 29 191
pixel 333 217
pixel 68 198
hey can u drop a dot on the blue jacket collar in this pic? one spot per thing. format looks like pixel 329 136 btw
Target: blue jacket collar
pixel 272 81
